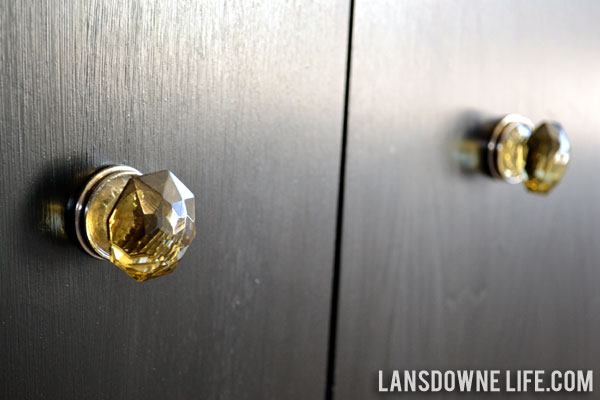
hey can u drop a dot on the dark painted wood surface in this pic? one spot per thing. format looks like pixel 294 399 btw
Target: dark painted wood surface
pixel 244 102
pixel 445 270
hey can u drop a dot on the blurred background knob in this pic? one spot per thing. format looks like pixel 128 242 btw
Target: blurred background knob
pixel 519 152
pixel 141 223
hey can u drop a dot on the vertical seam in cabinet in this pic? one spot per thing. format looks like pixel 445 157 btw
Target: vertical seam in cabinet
pixel 337 258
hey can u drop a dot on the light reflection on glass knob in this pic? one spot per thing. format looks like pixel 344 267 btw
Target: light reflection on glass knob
pixel 141 223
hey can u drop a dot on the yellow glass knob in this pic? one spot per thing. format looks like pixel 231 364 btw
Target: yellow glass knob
pixel 519 153
pixel 141 223
pixel 548 157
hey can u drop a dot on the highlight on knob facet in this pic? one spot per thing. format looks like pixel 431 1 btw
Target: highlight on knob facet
pixel 547 158
pixel 152 225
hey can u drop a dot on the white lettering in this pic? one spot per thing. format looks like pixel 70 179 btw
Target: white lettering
pixel 436 381
pixel 424 386
pixel 381 388
pixel 539 379
pixel 395 386
pixel 585 383
pixel 554 381
pixel 410 380
pixel 509 388
pixel 449 383
pixel 526 379
pixel 494 379
pixel 465 380
pixel 486 381
pixel 569 381
pixel 482 381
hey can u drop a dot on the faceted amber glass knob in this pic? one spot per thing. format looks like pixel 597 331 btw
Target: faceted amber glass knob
pixel 141 223
pixel 549 151
pixel 519 153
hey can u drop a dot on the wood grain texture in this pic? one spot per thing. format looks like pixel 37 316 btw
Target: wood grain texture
pixel 243 100
pixel 446 270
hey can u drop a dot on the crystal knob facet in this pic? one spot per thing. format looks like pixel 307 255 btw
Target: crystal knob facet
pixel 548 156
pixel 141 223
pixel 518 152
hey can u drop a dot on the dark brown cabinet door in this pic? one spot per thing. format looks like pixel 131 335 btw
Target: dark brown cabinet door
pixel 244 102
pixel 443 270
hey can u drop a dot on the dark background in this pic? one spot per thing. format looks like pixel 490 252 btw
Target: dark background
pixel 336 234
pixel 245 106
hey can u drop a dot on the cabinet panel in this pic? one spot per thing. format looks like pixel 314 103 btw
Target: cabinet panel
pixel 441 269
pixel 243 100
